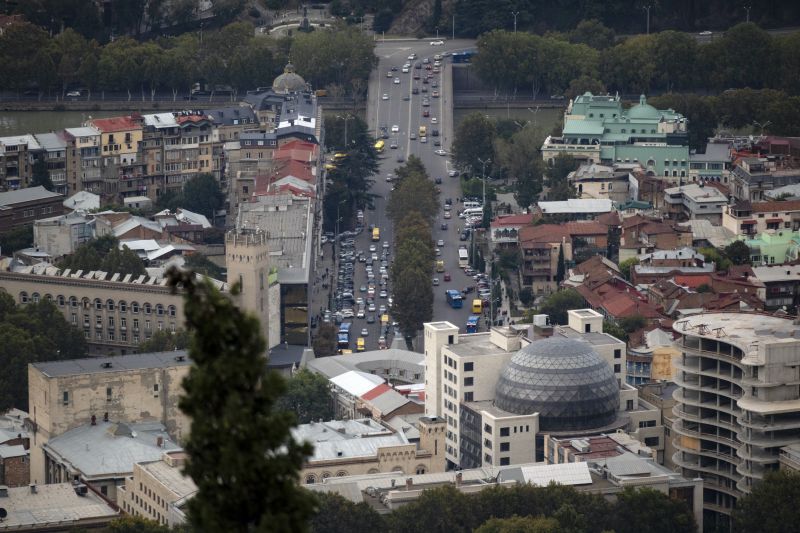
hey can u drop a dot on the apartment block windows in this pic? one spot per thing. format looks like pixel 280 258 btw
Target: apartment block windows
pixel 468 382
pixel 617 353
pixel 65 398
pixel 108 394
pixel 469 367
pixel 155 390
pixel 504 432
pixel 505 446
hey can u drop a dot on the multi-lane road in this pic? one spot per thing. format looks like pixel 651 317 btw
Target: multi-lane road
pixel 407 115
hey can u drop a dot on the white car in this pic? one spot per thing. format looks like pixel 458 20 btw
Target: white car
pixel 452 173
pixel 389 74
pixel 397 81
pixel 433 120
pixel 364 332
pixel 406 70
pixel 440 243
pixel 440 152
pixel 73 93
pixel 412 57
pixel 706 32
pixel 437 43
pixel 395 128
pixel 385 96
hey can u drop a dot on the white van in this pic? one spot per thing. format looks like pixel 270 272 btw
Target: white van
pixel 471 205
pixel 472 211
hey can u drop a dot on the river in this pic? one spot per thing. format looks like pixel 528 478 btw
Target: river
pixel 21 122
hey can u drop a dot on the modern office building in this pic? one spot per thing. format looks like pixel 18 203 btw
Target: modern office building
pixel 598 129
pixel 738 403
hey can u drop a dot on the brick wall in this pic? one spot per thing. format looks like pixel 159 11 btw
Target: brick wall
pixel 15 471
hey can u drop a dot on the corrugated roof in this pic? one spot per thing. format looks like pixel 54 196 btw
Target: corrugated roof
pixel 29 194
pixel 563 474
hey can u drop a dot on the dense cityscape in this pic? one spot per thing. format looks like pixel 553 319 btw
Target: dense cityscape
pixel 405 266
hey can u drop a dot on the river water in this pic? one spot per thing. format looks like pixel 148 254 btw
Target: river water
pixel 21 122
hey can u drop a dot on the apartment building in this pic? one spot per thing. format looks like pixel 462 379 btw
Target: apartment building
pixel 752 177
pixel 17 155
pixel 751 218
pixel 23 207
pixel 695 200
pixel 541 247
pixel 54 153
pixel 120 153
pixel 737 405
pixel 84 160
pixel 781 286
pixel 615 182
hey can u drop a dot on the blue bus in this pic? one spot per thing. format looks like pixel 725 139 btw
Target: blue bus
pixel 472 324
pixel 463 57
pixel 344 335
pixel 454 298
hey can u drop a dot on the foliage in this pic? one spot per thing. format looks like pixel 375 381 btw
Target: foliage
pixel 325 342
pixel 40 176
pixel 104 254
pixel 336 514
pixel 203 195
pixel 341 55
pixel 243 458
pixel 135 524
pixel 16 239
pixel 712 254
pixel 561 269
pixel 560 188
pixel 440 510
pixel 473 142
pixel 738 253
pixel 593 33
pixel 31 333
pixel 704 288
pixel 526 296
pixel 771 506
pixel 201 264
pixel 519 524
pixel 625 267
pixel 557 304
pixel 520 159
pixel 646 509
pixel 165 341
pixel 614 329
pixel 632 323
pixel 307 396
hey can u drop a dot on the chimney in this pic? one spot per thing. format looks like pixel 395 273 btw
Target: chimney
pixel 459 479
pixel 409 483
pixel 94 420
pixel 160 442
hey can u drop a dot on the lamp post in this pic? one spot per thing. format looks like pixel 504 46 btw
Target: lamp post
pixel 535 113
pixel 483 178
pixel 647 8
pixel 346 118
pixel 515 14
pixel 454 27
pixel 748 8
pixel 762 126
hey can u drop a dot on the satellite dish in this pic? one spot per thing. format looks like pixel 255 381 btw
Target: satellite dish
pixel 3 513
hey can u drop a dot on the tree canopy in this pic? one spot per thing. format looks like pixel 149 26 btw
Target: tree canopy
pixel 771 506
pixel 557 304
pixel 165 341
pixel 103 253
pixel 308 396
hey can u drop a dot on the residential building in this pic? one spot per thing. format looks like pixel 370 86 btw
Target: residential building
pixel 54 153
pixel 62 235
pixel 357 394
pixel 773 247
pixel 17 155
pixel 576 208
pixel 39 507
pixel 642 234
pixel 121 155
pixel 156 488
pixel 752 177
pixel 541 247
pixel 705 234
pixel 82 202
pixel 102 454
pixel 712 165
pixel 615 182
pixel 738 403
pixel 130 389
pixel 781 286
pixel 662 264
pixel 84 160
pixel 15 465
pixel 659 393
pixel 505 229
pixel 230 122
pixel 598 129
pixel 695 200
pixel 22 207
pixel 746 218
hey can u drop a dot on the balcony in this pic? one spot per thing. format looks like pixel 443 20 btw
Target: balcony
pixel 681 428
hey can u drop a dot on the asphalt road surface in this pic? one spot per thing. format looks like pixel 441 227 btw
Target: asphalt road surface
pixel 407 115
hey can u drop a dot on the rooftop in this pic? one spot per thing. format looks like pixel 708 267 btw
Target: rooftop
pixel 698 193
pixel 715 152
pixel 745 330
pixel 119 363
pixel 576 206
pixel 372 361
pixel 476 344
pixel 356 383
pixel 28 194
pixel 52 504
pixel 347 439
pixel 114 124
pixel 51 141
pixel 171 477
pixel 772 273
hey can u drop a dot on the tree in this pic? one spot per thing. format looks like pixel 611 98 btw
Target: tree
pixel 526 296
pixel 560 188
pixel 165 341
pixel 632 323
pixel 645 509
pixel 593 33
pixel 583 85
pixel 614 329
pixel 16 239
pixel 557 304
pixel 103 253
pixel 560 272
pixel 242 456
pixel 440 510
pixel 203 195
pixel 473 142
pixel 713 255
pixel 135 524
pixel 336 55
pixel 738 252
pixel 771 506
pixel 336 514
pixel 626 265
pixel 518 524
pixel 201 264
pixel 308 396
pixel 325 342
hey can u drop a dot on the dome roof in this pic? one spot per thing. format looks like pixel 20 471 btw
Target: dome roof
pixel 288 82
pixel 568 383
pixel 643 110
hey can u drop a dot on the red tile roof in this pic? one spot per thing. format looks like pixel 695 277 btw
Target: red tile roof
pixel 377 391
pixel 692 281
pixel 114 124
pixel 290 167
pixel 544 233
pixel 776 207
pixel 586 228
pixel 512 220
pixel 609 219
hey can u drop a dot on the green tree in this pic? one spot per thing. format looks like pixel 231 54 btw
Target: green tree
pixel 520 159
pixel 474 142
pixel 337 55
pixel 20 45
pixel 699 111
pixel 561 269
pixel 103 254
pixel 645 509
pixel 593 33
pixel 519 524
pixel 704 288
pixel 770 507
pixel 526 296
pixel 713 255
pixel 626 265
pixel 325 342
pixel 16 239
pixel 632 323
pixel 165 341
pixel 336 514
pixel 123 261
pixel 557 304
pixel 583 85
pixel 440 510
pixel 242 456
pixel 630 66
pixel 738 252
pixel 135 524
pixel 308 396
pixel 560 188
pixel 615 330
pixel 203 195
pixel 201 264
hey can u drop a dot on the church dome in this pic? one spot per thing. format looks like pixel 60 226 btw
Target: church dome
pixel 288 82
pixel 564 380
pixel 643 110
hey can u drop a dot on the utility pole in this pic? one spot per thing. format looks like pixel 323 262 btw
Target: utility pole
pixel 483 177
pixel 647 8
pixel 748 8
pixel 514 14
pixel 454 27
pixel 346 118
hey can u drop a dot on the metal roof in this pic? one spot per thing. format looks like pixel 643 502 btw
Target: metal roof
pixel 563 474
pixel 356 383
pixel 120 363
pixel 374 360
pixel 7 452
pixel 577 205
pixel 56 503
pixel 28 194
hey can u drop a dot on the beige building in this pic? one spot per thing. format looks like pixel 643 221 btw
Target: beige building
pixel 64 395
pixel 49 508
pixel 157 488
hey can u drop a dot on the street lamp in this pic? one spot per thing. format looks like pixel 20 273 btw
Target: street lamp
pixel 514 14
pixel 647 8
pixel 346 118
pixel 748 8
pixel 762 126
pixel 535 113
pixel 483 177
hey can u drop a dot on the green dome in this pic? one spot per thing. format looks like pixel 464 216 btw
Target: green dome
pixel 643 110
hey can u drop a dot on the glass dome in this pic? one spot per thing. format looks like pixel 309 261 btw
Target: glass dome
pixel 568 383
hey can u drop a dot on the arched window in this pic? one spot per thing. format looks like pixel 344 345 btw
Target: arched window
pixel 159 309
pixel 326 475
pixel 123 306
pixel 98 304
pixel 48 297
pixel 23 297
pixel 35 297
pixel 146 308
pixel 60 301
pixel 110 304
pixel 341 473
pixel 311 479
pixel 171 310
pixel 73 302
pixel 85 303
pixel 135 307
pixel 420 470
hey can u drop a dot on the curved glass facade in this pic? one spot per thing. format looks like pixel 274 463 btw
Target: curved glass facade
pixel 569 384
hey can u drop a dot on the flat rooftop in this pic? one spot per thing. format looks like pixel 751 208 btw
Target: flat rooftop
pixel 475 344
pixel 171 477
pixel 120 363
pixel 745 330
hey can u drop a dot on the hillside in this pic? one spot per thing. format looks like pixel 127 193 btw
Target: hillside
pixel 413 19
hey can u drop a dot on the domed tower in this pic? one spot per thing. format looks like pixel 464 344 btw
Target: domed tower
pixel 289 81
pixel 565 380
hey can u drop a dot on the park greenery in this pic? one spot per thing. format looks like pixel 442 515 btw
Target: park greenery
pixel 324 342
pixel 308 396
pixel 242 456
pixel 31 333
pixel 165 341
pixel 556 305
pixel 412 208
pixel 15 239
pixel 104 254
pixel 232 57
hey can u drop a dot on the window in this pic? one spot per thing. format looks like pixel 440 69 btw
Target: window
pixel 629 405
pixel 647 423
pixel 155 390
pixel 487 443
pixel 123 323
pixel 159 310
pixel 617 353
pixel 505 461
pixel 60 300
pixel 98 304
pixel 488 429
pixel 468 382
pixel 505 447
pixel 135 307
pixel 469 367
pixel 487 458
pixel 147 309
pixel 35 297
pixel 123 307
pixel 65 399
pixel 110 304
pixel 651 441
pixel 468 397
pixel 23 297
pixel 504 432
pixel 617 368
pixel 108 394
pixel 171 310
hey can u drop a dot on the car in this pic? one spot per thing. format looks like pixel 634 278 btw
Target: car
pixel 452 173
pixel 73 93
pixel 371 307
pixel 412 136
pixel 418 66
pixel 435 282
pixel 400 158
pixel 438 181
pixel 370 319
pixel 362 288
pixel 447 276
pixel 397 81
pixel 435 94
pixel 425 81
pixel 416 76
pixel 464 236
pixel 434 121
pixel 412 56
pixel 438 252
pixel 372 248
pixel 556 96
pixel 426 113
pixel 440 243
pixel 436 70
pixel 361 313
pixel 426 103
pixel 406 98
pixel 706 32
pixel 394 69
pixel 347 313
pixel 405 70
pixel 385 96
pixel 389 178
pixel 435 132
pixel 389 74
pixel 382 309
pixel 447 215
pixel 434 84
pixel 443 227
pixel 383 294
pixel 440 152
pixel 437 63
pixel 364 332
pixel 437 142
pixel 437 43
pixel 423 140
pixel 395 128
pixel 393 146
pixel 385 245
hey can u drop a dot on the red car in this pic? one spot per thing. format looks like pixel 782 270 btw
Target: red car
pixel 425 113
pixel 447 276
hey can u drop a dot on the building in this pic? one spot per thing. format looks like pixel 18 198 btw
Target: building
pixel 694 201
pixel 737 404
pixel 500 392
pixel 576 208
pixel 17 155
pixel 598 129
pixel 14 444
pixel 541 247
pixel 62 235
pixel 752 177
pixel 102 454
pixel 39 508
pixel 20 208
pixel 121 162
pixel 614 182
pixel 54 153
pixel 781 286
pixel 712 165
pixel 157 488
pixel 132 389
pixel 505 229
pixel 662 264
pixel 82 202
pixel 746 218
pixel 84 160
pixel 773 247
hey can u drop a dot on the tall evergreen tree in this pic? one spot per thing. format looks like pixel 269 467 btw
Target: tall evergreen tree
pixel 561 267
pixel 243 458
